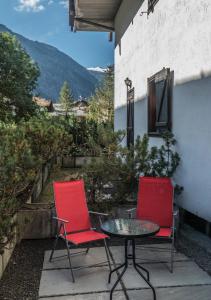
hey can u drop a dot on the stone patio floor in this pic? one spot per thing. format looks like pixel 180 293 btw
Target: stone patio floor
pixel 188 282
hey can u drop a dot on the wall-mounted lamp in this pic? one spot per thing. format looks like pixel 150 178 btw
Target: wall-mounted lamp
pixel 144 12
pixel 128 83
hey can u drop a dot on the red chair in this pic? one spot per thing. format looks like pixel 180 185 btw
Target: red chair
pixel 73 219
pixel 155 203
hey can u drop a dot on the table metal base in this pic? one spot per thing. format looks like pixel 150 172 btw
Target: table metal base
pixel 137 267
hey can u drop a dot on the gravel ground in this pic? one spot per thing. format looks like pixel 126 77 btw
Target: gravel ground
pixel 197 253
pixel 22 276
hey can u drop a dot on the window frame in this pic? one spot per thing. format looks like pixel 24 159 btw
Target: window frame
pixel 153 125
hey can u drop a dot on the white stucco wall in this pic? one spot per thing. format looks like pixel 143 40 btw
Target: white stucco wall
pixel 176 35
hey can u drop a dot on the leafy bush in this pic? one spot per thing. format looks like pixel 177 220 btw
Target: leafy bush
pixel 17 169
pixel 118 168
pixel 24 148
pixel 88 136
pixel 47 136
pixel 104 169
pixel 143 160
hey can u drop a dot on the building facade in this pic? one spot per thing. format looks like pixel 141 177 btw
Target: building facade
pixel 175 35
pixel 162 79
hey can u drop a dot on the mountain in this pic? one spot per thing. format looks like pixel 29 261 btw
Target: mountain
pixel 97 72
pixel 56 67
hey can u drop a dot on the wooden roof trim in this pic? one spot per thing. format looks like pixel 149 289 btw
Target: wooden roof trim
pixel 105 24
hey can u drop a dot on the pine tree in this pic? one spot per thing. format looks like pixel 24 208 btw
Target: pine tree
pixel 18 79
pixel 101 108
pixel 66 98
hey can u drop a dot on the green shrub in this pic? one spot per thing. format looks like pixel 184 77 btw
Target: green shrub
pixel 47 136
pixel 24 148
pixel 119 167
pixel 17 170
pixel 87 138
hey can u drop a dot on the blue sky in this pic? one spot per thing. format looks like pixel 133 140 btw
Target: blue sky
pixel 47 21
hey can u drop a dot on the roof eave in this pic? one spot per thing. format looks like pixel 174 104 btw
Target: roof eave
pixel 87 24
pixel 72 14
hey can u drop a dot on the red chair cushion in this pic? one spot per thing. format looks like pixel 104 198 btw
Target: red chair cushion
pixel 85 236
pixel 164 232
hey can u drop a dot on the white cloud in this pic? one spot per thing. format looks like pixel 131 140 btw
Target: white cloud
pixel 37 5
pixel 97 69
pixel 64 3
pixel 30 5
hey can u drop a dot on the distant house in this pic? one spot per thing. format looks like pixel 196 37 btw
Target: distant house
pixel 48 104
pixel 58 110
pixel 162 80
pixel 79 109
pixel 81 104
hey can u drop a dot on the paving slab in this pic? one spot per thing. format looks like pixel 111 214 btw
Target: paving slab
pixel 95 296
pixel 149 253
pixel 185 273
pixel 173 293
pixel 58 282
pixel 94 256
pixel 187 282
pixel 97 254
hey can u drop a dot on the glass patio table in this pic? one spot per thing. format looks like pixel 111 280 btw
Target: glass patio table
pixel 130 230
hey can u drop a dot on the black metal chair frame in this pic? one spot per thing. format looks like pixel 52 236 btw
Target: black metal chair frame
pixel 160 249
pixel 61 227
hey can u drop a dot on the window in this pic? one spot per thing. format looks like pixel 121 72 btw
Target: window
pixel 160 101
pixel 130 117
pixel 151 5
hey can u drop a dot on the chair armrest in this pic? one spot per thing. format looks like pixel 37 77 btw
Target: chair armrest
pixel 175 213
pixel 130 212
pixel 175 226
pixel 131 209
pixel 61 220
pixel 98 213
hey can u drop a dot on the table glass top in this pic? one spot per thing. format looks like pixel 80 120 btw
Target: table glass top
pixel 129 227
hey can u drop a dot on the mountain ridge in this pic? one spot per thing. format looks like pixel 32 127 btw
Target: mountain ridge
pixel 55 68
pixel 98 72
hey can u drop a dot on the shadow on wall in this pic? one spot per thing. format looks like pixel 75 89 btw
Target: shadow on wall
pixel 190 99
pixel 127 12
pixel 140 115
pixel 186 82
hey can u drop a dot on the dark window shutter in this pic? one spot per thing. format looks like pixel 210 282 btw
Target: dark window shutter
pixel 151 105
pixel 160 88
pixel 170 98
pixel 161 103
pixel 130 117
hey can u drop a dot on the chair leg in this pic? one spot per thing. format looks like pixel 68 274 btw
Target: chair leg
pixel 172 255
pixel 129 247
pixel 107 254
pixel 54 247
pixel 87 250
pixel 68 253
